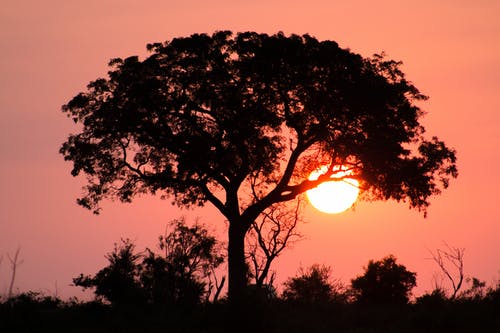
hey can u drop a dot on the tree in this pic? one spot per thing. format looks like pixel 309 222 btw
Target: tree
pixel 176 277
pixel 384 282
pixel 476 291
pixel 118 282
pixel 190 256
pixel 451 263
pixel 268 236
pixel 313 285
pixel 241 120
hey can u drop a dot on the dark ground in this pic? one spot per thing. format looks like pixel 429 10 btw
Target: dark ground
pixel 49 315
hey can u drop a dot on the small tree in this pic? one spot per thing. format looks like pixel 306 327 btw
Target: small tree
pixel 385 282
pixel 190 257
pixel 177 276
pixel 476 291
pixel 192 250
pixel 118 282
pixel 167 284
pixel 450 261
pixel 269 235
pixel 313 285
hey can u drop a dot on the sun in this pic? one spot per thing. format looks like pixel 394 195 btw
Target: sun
pixel 334 196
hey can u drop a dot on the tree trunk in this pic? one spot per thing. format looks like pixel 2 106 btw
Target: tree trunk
pixel 237 268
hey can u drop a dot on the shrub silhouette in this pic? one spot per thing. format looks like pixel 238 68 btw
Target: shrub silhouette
pixel 384 281
pixel 118 282
pixel 164 283
pixel 312 285
pixel 190 255
pixel 436 298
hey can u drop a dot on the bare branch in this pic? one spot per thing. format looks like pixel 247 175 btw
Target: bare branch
pixel 14 263
pixel 269 236
pixel 451 256
pixel 215 283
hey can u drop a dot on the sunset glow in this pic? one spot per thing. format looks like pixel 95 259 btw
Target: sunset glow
pixel 336 196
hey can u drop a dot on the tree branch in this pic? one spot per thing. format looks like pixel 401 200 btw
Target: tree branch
pixel 14 263
pixel 453 256
pixel 213 199
pixel 254 210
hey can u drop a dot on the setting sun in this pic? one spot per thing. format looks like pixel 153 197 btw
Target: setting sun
pixel 335 196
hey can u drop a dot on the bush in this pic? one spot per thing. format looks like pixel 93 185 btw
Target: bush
pixel 190 256
pixel 384 282
pixel 313 285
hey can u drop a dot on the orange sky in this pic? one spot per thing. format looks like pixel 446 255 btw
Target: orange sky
pixel 50 50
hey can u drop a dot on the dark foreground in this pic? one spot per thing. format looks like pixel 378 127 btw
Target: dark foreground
pixel 49 315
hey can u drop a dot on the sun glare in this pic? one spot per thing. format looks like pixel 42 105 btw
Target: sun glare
pixel 334 196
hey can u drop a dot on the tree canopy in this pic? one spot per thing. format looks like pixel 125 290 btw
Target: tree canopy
pixel 207 112
pixel 384 281
pixel 312 285
pixel 240 120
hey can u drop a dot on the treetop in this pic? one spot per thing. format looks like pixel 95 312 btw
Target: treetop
pixel 251 115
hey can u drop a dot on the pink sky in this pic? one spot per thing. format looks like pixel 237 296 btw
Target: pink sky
pixel 50 50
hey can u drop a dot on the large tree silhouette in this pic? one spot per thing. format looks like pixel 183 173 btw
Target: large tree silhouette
pixel 241 120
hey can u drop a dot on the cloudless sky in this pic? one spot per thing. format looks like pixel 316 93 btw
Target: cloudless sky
pixel 50 50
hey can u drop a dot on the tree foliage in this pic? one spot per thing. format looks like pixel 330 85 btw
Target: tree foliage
pixel 241 120
pixel 181 274
pixel 385 282
pixel 118 282
pixel 178 276
pixel 208 112
pixel 313 285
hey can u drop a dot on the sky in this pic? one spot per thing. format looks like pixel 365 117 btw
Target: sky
pixel 50 50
